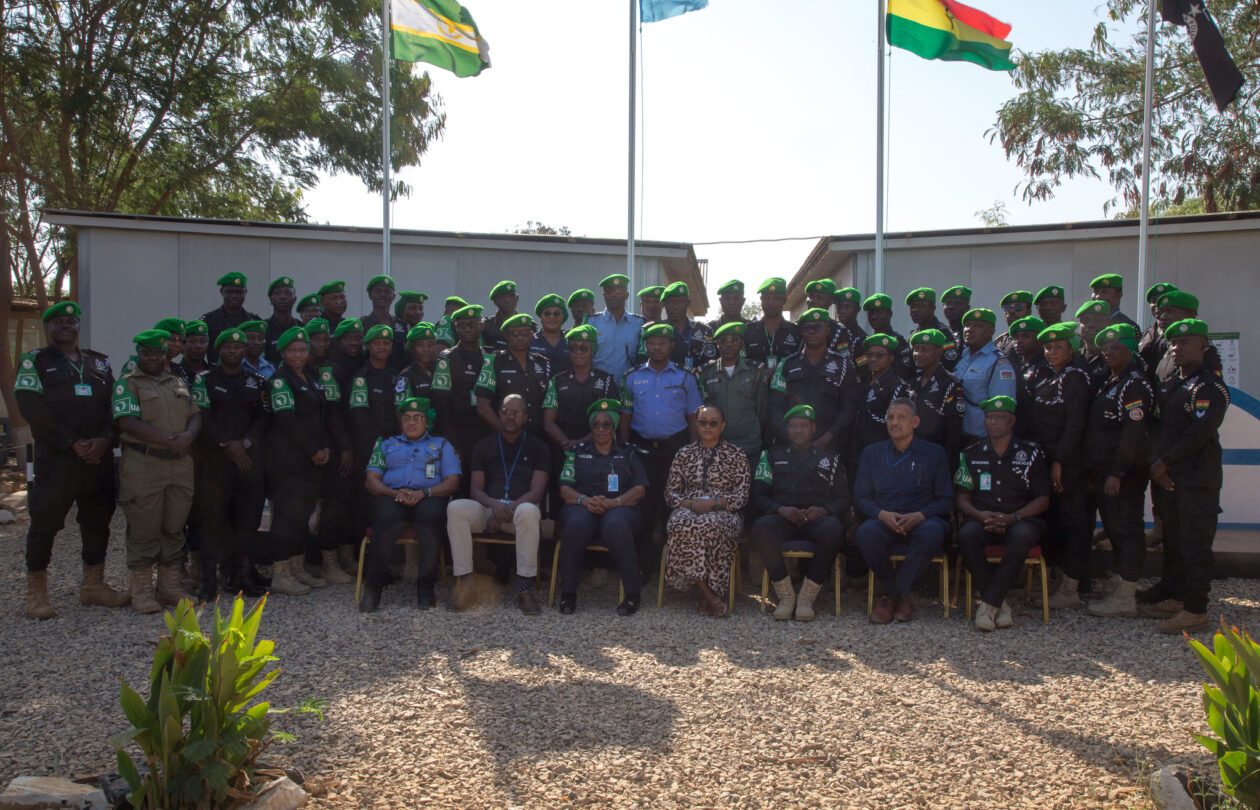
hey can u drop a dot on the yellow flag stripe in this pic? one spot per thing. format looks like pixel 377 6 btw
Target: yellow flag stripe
pixel 458 43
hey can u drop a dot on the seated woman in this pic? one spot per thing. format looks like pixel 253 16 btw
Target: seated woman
pixel 708 485
pixel 408 478
pixel 601 484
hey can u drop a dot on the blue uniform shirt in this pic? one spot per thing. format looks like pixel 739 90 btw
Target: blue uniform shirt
pixel 403 463
pixel 618 342
pixel 659 401
pixel 264 369
pixel 983 375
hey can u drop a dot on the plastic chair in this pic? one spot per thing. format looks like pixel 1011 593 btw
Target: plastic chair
pixel 735 583
pixel 800 550
pixel 1034 560
pixel 940 560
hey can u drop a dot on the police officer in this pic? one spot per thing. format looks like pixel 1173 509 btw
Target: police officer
pixel 1152 346
pixel 1015 306
pixel 1109 287
pixel 381 293
pixel 233 287
pixel 1178 305
pixel 335 478
pixel 514 370
pixel 619 331
pixel 63 392
pixel 800 493
pixel 650 304
pixel 231 487
pixel 571 393
pixel 937 395
pixel 820 294
pixel 878 309
pixel 1116 463
pixel 883 386
pixel 602 482
pixel 444 329
pixel 255 346
pixel 1003 488
pixel 159 421
pixel 982 370
pixel 731 302
pixel 549 340
pixel 1093 317
pixel 770 338
pixel 955 303
pixel 1050 302
pixel 817 377
pixel 693 343
pixel 308 309
pixel 922 303
pixel 454 381
pixel 196 346
pixel 1186 473
pixel 409 308
pixel 333 303
pixel 174 344
pixel 739 387
pixel 422 348
pixel 847 335
pixel 504 297
pixel 282 294
pixel 581 305
pixel 1029 360
pixel 372 411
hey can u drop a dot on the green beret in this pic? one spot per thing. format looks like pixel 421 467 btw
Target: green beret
pixel 611 407
pixel 801 411
pixel 406 297
pixel 774 284
pixel 283 281
pixel 464 313
pixel 1064 330
pixel 195 328
pixel 880 339
pixel 1156 290
pixel 152 339
pixel 1117 332
pixel 921 294
pixel 1049 292
pixel 1189 326
pixel 416 405
pixel 311 300
pixel 173 326
pixel 378 331
pixel 980 314
pixel 421 331
pixel 813 315
pixel 651 292
pixel 519 319
pixel 1178 298
pixel 932 337
pixel 877 301
pixel 347 326
pixel 999 403
pixel 849 294
pixel 674 290
pixel 580 295
pixel 380 279
pixel 1017 297
pixel 1112 280
pixel 295 333
pixel 254 326
pixel 615 280
pixel 957 291
pixel 232 279
pixel 455 299
pixel 332 287
pixel 1093 308
pixel 551 300
pixel 229 336
pixel 1030 323
pixel 62 308
pixel 317 326
pixel 733 287
pixel 822 285
pixel 503 288
pixel 735 328
pixel 659 330
pixel 584 332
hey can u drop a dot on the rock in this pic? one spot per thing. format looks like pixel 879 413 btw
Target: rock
pixel 6 517
pixel 39 792
pixel 282 794
pixel 1169 792
pixel 115 787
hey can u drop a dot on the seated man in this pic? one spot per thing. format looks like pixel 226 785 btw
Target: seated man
pixel 801 493
pixel 601 484
pixel 1003 484
pixel 903 492
pixel 507 481
pixel 409 477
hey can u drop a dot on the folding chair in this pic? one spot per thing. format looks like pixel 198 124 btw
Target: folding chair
pixel 940 560
pixel 1034 560
pixel 555 569
pixel 660 584
pixel 799 550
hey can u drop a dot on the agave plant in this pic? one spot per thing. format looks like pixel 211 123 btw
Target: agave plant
pixel 1232 705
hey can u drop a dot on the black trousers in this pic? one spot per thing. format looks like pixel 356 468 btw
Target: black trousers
pixel 389 520
pixel 616 529
pixel 334 511
pixel 770 532
pixel 230 503
pixel 1190 515
pixel 1067 543
pixel 61 481
pixel 294 492
pixel 657 455
pixel 995 581
pixel 1122 520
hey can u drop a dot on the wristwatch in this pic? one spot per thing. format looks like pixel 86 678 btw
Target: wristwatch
pixel 247 443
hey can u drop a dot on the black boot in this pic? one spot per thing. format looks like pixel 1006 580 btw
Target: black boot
pixel 209 590
pixel 245 582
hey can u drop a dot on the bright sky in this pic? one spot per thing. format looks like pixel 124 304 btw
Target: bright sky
pixel 757 121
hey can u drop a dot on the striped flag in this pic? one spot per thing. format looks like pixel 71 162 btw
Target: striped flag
pixel 949 30
pixel 657 10
pixel 440 32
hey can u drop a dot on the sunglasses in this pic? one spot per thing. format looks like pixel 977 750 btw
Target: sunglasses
pixel 708 422
pixel 580 348
pixel 814 327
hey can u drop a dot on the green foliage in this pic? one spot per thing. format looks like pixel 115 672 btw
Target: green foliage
pixel 202 727
pixel 543 229
pixel 751 311
pixel 995 216
pixel 1232 706
pixel 1078 113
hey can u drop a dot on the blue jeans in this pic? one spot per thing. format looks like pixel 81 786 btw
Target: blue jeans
pixel 877 542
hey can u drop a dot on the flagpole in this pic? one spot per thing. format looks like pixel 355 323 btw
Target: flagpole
pixel 1144 227
pixel 630 154
pixel 385 121
pixel 879 152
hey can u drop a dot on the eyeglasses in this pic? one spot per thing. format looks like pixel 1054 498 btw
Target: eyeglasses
pixel 602 424
pixel 814 327
pixel 708 422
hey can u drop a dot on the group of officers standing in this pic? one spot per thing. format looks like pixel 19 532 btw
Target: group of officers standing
pixel 218 415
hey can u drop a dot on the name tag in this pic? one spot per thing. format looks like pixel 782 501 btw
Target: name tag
pixel 771 362
pixel 83 390
pixel 613 482
pixel 986 481
pixel 430 470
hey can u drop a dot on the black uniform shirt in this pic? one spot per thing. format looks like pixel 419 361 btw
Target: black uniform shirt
pixel 953 349
pixel 1058 409
pixel 1191 410
pixel 59 410
pixel 509 466
pixel 454 382
pixel 799 478
pixel 274 330
pixel 234 409
pixel 373 408
pixel 829 385
pixel 769 350
pixel 846 341
pixel 502 375
pixel 570 399
pixel 419 382
pixel 218 320
pixel 872 410
pixel 398 354
pixel 298 412
pixel 1115 436
pixel 940 404
pixel 1007 482
pixel 492 332
pixel 588 471
pixel 1026 373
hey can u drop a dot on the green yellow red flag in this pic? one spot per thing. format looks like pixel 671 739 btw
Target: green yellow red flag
pixel 950 31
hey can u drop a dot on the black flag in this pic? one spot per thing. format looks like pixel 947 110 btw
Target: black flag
pixel 1223 76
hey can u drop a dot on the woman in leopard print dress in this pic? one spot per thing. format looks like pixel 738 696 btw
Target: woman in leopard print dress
pixel 708 484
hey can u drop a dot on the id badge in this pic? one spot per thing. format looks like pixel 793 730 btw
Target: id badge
pixel 986 481
pixel 771 362
pixel 472 397
pixel 613 483
pixel 688 362
pixel 430 470
pixel 83 390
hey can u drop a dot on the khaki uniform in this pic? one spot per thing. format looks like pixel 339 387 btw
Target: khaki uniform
pixel 156 489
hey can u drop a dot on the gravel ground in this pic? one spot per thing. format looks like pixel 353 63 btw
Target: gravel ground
pixel 665 709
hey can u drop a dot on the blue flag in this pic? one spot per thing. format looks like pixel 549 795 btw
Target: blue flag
pixel 657 10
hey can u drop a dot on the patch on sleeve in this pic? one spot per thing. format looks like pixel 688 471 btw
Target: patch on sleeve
pixel 124 402
pixel 764 474
pixel 568 473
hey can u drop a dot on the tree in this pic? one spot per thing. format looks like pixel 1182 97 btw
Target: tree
pixel 751 310
pixel 1078 113
pixel 543 230
pixel 995 216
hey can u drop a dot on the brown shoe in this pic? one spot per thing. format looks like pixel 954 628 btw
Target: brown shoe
pixel 902 611
pixel 1161 610
pixel 883 612
pixel 465 595
pixel 527 601
pixel 1184 622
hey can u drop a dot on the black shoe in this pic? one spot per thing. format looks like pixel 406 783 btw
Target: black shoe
pixel 1156 593
pixel 425 600
pixel 629 606
pixel 370 599
pixel 244 584
pixel 568 604
pixel 257 577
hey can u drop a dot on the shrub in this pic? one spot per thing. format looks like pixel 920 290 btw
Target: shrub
pixel 1233 710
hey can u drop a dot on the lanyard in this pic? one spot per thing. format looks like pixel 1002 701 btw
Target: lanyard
pixel 79 368
pixel 507 474
pixel 888 454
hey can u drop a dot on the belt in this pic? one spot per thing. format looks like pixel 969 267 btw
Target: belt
pixel 150 450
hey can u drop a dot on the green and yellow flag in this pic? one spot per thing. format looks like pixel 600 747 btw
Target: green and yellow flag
pixel 949 30
pixel 440 32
